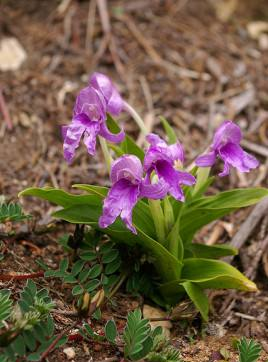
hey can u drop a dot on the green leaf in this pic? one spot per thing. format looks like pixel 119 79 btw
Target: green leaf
pixel 95 271
pixel 198 297
pixel 167 265
pixel 12 212
pixel 137 330
pixel 88 255
pixel 110 331
pixel 249 351
pixel 60 197
pixel 110 256
pixel 77 289
pixel 211 251
pixel 92 285
pixel 19 346
pixel 63 265
pixel 172 138
pixel 206 209
pixel 113 267
pixel 128 146
pixel 5 306
pixel 77 267
pixel 207 274
pixel 92 189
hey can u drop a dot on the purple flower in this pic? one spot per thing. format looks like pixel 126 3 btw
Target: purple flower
pixel 226 145
pixel 89 116
pixel 128 186
pixel 165 160
pixel 104 85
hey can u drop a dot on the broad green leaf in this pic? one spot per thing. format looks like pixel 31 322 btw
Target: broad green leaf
pixel 110 331
pixel 77 290
pixel 172 138
pixel 92 189
pixel 60 197
pixel 211 251
pixel 208 274
pixel 198 297
pixel 206 209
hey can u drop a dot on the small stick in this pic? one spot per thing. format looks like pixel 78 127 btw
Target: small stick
pixel 5 111
pixel 248 226
pixel 263 151
pixel 56 340
pixel 6 277
pixel 90 25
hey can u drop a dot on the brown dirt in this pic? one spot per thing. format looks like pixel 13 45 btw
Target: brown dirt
pixel 188 36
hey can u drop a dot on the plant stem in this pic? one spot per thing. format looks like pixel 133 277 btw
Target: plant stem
pixel 202 176
pixel 136 118
pixel 158 218
pixel 106 153
pixel 118 285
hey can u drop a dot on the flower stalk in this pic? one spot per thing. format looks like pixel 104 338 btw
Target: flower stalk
pixel 136 118
pixel 158 218
pixel 107 156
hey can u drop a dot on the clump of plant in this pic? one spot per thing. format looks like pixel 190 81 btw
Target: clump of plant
pixel 26 327
pixel 153 203
pixel 138 341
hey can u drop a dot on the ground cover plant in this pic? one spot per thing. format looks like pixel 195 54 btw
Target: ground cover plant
pixel 153 204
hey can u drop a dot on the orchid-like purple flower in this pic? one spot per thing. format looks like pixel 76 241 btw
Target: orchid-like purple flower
pixel 226 145
pixel 89 116
pixel 166 161
pixel 128 186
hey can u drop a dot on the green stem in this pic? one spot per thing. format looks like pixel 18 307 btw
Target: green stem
pixel 106 153
pixel 136 118
pixel 168 214
pixel 121 280
pixel 201 178
pixel 158 218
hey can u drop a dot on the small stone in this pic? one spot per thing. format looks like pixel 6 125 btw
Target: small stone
pixel 70 352
pixel 151 312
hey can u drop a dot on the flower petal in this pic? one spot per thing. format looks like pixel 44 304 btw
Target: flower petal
pixel 225 171
pixel 154 191
pixel 250 161
pixel 121 199
pixel 90 136
pixel 177 152
pixel 104 84
pixel 186 178
pixel 91 103
pixel 233 154
pixel 128 167
pixel 73 134
pixel 112 137
pixel 228 132
pixel 172 177
pixel 155 140
pixel 206 160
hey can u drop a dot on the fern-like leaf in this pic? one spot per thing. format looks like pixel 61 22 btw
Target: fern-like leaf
pixel 5 306
pixel 249 351
pixel 12 212
pixel 135 334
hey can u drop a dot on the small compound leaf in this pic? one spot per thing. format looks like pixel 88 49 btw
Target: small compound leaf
pixel 110 331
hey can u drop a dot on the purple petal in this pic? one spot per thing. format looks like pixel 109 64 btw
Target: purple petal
pixel 177 152
pixel 225 171
pixel 206 160
pixel 228 132
pixel 154 191
pixel 112 137
pixel 90 136
pixel 250 161
pixel 113 99
pixel 155 140
pixel 186 178
pixel 91 103
pixel 166 171
pixel 73 134
pixel 128 167
pixel 121 199
pixel 233 155
pixel 153 155
pixel 64 129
